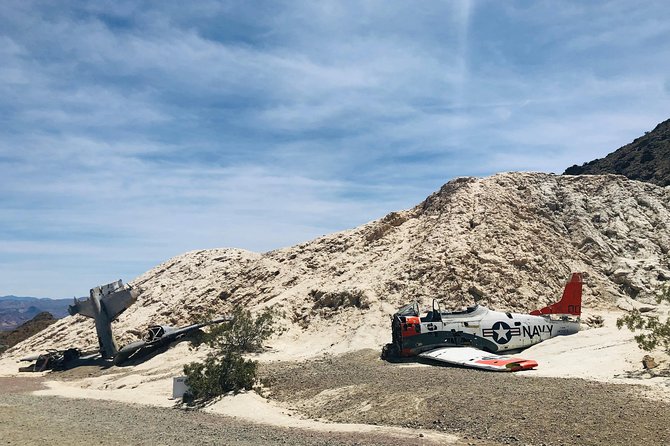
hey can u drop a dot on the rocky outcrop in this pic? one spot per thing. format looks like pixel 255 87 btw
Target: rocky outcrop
pixel 645 159
pixel 508 241
pixel 25 330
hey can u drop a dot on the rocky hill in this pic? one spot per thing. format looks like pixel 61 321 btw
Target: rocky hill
pixel 508 241
pixel 645 159
pixel 25 330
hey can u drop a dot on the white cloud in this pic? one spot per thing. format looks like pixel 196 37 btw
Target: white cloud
pixel 134 134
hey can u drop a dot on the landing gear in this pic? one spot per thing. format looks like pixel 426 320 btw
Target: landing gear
pixel 390 352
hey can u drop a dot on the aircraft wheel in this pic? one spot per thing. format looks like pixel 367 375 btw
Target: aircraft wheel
pixel 389 351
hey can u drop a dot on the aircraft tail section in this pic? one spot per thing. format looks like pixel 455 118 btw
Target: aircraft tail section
pixel 104 305
pixel 570 303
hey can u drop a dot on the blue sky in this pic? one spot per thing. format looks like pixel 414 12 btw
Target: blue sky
pixel 132 132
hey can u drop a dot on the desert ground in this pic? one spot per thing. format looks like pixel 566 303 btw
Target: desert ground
pixel 27 419
pixel 589 389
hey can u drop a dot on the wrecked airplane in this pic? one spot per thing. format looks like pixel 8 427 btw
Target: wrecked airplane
pixel 159 336
pixel 104 305
pixel 473 337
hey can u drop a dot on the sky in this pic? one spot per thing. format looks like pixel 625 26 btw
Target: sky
pixel 131 132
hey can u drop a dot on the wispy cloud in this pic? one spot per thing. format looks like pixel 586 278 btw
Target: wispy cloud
pixel 132 132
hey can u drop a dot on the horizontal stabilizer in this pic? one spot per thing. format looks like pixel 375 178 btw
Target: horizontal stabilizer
pixel 83 307
pixel 118 301
pixel 471 357
pixel 107 300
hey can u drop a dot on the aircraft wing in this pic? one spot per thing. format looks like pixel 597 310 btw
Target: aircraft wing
pixel 157 332
pixel 472 357
pixel 83 307
pixel 116 302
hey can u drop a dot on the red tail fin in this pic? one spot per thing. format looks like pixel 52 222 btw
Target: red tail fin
pixel 570 303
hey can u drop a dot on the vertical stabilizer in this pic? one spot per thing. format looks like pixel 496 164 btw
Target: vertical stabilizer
pixel 570 303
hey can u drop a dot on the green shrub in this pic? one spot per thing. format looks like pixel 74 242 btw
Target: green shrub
pixel 655 333
pixel 245 333
pixel 220 374
pixel 224 368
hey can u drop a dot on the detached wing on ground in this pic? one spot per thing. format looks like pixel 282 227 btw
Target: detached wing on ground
pixel 160 336
pixel 471 357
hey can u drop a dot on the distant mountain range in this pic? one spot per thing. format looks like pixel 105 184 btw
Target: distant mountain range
pixel 645 159
pixel 15 310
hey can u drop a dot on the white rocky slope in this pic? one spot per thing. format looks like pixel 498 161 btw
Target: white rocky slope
pixel 508 241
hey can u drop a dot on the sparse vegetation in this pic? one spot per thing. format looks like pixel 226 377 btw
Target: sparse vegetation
pixel 225 369
pixel 219 374
pixel 654 332
pixel 246 333
pixel 338 299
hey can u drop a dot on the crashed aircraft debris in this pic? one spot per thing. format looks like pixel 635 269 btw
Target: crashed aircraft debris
pixel 104 305
pixel 160 336
pixel 52 360
pixel 473 337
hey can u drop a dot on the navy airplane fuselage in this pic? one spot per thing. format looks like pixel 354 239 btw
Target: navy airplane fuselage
pixel 493 331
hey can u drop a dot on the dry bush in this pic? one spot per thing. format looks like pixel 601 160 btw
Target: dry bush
pixel 328 302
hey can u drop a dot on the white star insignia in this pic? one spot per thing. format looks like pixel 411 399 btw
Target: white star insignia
pixel 502 333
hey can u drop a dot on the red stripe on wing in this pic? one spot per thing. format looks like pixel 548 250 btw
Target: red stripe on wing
pixel 511 363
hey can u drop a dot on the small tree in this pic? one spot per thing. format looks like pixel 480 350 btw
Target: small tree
pixel 657 333
pixel 245 333
pixel 224 368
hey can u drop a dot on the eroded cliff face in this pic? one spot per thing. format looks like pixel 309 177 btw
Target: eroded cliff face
pixel 508 241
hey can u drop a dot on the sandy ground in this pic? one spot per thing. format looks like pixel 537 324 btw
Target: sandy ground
pixel 150 384
pixel 586 358
pixel 602 396
pixel 604 354
pixel 29 419
pixel 248 407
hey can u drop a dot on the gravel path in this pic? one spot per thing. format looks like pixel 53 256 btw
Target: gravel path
pixel 472 404
pixel 28 420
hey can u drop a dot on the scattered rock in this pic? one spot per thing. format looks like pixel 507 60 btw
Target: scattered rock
pixel 595 321
pixel 600 413
pixel 648 362
pixel 628 304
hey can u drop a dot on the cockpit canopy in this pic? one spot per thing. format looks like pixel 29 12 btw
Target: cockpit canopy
pixel 409 310
pixel 435 314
